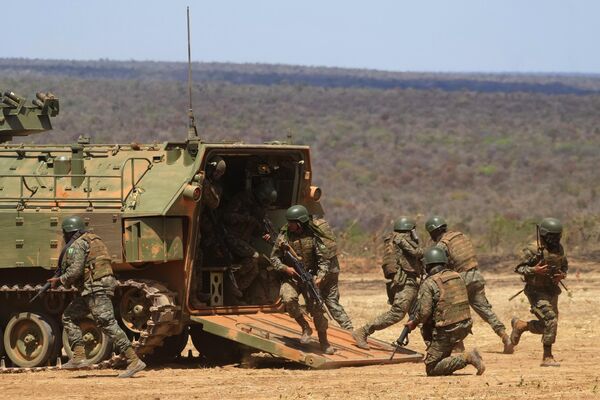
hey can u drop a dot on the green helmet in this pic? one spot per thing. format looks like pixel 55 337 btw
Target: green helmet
pixel 297 213
pixel 73 223
pixel 216 165
pixel 550 225
pixel 435 255
pixel 266 193
pixel 434 223
pixel 404 224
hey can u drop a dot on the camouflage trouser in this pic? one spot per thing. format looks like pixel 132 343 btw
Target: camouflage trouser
pixel 99 307
pixel 331 297
pixel 400 306
pixel 544 305
pixel 289 293
pixel 439 359
pixel 247 258
pixel 479 302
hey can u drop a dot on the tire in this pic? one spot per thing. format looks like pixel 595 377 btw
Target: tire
pixel 171 348
pixel 98 347
pixel 216 349
pixel 29 340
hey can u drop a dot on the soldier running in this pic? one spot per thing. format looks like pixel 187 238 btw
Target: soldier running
pixel 543 267
pixel 443 308
pixel 305 239
pixel 401 264
pixel 87 266
pixel 462 259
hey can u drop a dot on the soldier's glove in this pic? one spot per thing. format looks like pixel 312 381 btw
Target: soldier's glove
pixel 411 325
pixel 53 281
pixel 540 269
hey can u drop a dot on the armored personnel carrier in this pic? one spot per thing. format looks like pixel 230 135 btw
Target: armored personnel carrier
pixel 144 200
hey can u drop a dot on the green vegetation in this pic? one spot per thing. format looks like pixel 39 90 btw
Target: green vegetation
pixel 491 153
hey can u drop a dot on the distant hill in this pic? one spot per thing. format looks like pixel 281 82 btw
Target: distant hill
pixel 492 153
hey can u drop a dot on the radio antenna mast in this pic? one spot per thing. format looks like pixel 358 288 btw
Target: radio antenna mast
pixel 192 131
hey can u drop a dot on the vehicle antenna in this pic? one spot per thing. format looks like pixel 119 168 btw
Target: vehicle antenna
pixel 192 131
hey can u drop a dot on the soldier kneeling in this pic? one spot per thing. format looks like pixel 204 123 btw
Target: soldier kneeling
pixel 443 308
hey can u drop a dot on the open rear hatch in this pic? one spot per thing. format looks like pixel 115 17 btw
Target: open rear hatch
pixel 279 335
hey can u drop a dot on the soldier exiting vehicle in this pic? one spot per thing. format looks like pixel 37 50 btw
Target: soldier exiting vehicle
pixel 304 239
pixel 86 265
pixel 443 309
pixel 401 264
pixel 543 267
pixel 461 256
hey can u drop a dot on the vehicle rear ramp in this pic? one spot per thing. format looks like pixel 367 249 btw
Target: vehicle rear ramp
pixel 279 335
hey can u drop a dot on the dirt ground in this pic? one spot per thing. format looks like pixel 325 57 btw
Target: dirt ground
pixel 507 376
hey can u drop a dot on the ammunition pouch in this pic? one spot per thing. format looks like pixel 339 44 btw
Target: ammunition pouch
pixel 98 269
pixel 391 288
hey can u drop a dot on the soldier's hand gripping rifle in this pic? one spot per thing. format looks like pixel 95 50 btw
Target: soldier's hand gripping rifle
pixel 402 340
pixel 58 272
pixel 311 292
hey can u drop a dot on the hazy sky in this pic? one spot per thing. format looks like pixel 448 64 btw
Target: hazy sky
pixel 417 35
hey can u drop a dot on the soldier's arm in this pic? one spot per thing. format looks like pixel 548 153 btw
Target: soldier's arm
pixel 277 254
pixel 565 265
pixel 415 251
pixel 528 261
pixel 425 299
pixel 212 195
pixel 75 262
pixel 323 262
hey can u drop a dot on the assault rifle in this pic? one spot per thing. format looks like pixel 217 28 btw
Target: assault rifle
pixel 310 291
pixel 58 271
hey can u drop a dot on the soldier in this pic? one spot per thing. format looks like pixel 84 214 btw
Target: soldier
pixel 305 239
pixel 87 266
pixel 244 218
pixel 443 308
pixel 406 262
pixel 543 267
pixel 462 259
pixel 211 198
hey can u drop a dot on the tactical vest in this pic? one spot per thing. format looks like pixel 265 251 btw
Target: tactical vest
pixel 304 246
pixel 460 251
pixel 328 239
pixel 390 261
pixel 453 305
pixel 98 261
pixel 554 261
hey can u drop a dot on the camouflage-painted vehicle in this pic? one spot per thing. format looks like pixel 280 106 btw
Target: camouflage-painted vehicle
pixel 143 200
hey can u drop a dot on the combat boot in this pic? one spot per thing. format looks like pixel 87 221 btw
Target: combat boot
pixel 509 347
pixel 134 364
pixel 325 346
pixel 306 331
pixel 360 336
pixel 78 359
pixel 474 358
pixel 518 327
pixel 548 360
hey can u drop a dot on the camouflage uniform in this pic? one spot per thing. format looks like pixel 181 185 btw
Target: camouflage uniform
pixel 312 250
pixel 243 217
pixel 404 285
pixel 541 291
pixel 443 308
pixel 462 260
pixel 328 287
pixel 87 266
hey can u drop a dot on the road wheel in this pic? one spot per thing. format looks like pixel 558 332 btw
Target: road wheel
pixel 29 340
pixel 216 349
pixel 171 348
pixel 98 347
pixel 134 309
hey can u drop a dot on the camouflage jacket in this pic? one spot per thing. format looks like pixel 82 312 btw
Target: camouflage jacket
pixel 211 194
pixel 315 257
pixel 243 216
pixel 533 256
pixel 408 252
pixel 73 271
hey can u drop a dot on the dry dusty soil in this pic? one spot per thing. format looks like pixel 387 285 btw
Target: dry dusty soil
pixel 507 376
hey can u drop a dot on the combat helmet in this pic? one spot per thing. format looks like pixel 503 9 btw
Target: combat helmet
pixel 265 193
pixel 434 256
pixel 73 223
pixel 297 213
pixel 403 224
pixel 550 226
pixel 216 165
pixel 434 223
